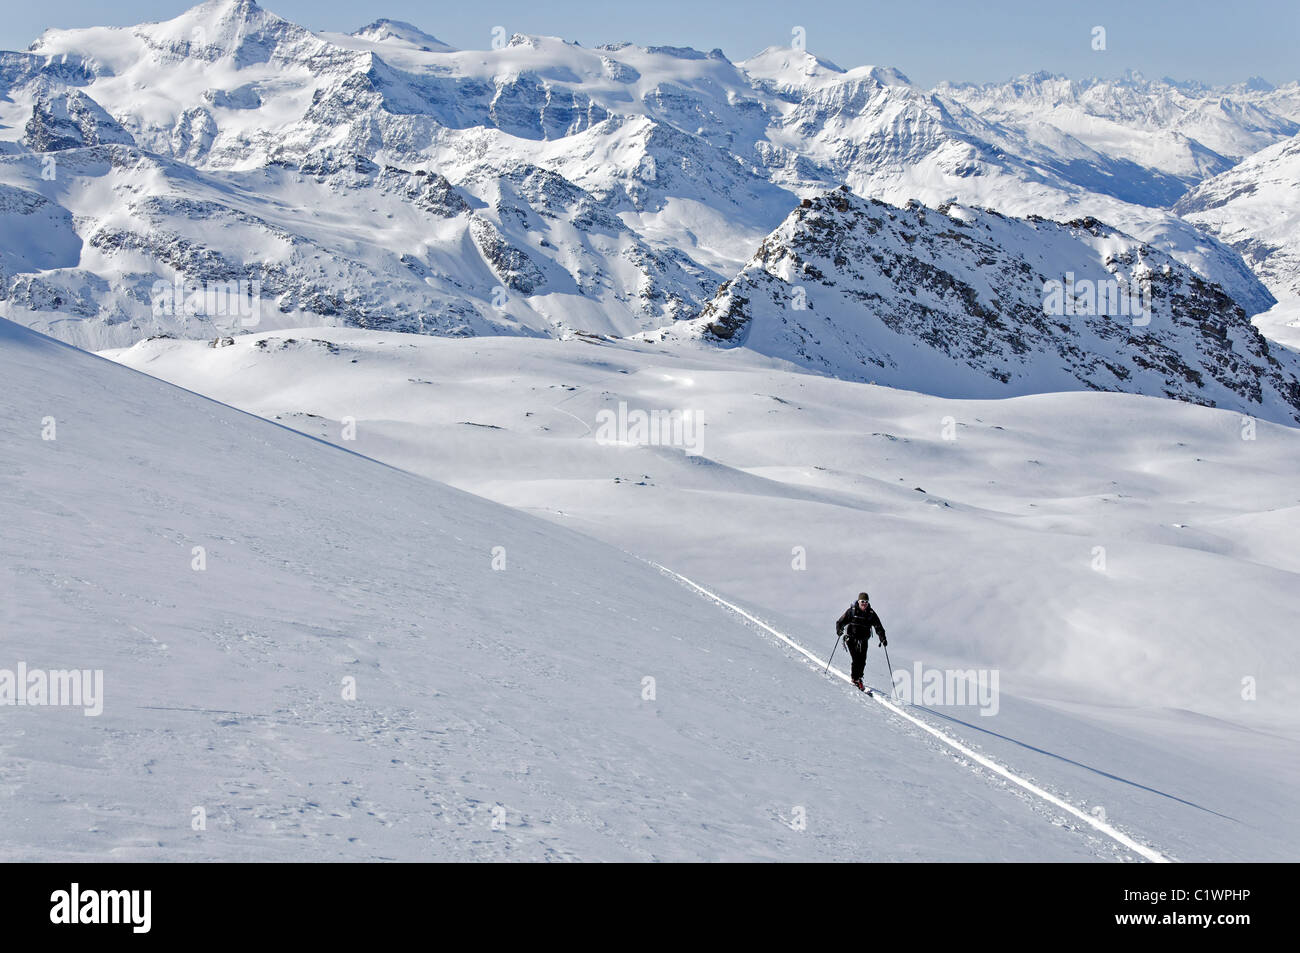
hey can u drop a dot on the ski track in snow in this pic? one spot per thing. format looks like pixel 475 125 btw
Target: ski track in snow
pixel 1133 671
pixel 1146 852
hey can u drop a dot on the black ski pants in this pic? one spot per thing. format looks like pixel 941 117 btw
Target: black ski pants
pixel 858 649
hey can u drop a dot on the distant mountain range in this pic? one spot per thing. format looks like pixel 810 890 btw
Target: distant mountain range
pixel 383 179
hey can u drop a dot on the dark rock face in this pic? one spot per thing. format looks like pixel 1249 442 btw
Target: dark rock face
pixel 516 270
pixel 70 120
pixel 425 190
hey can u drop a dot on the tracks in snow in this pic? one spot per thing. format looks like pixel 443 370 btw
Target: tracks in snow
pixel 984 761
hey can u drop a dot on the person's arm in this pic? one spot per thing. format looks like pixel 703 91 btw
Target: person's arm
pixel 880 628
pixel 843 620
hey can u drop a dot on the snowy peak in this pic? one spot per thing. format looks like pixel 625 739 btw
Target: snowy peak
pixel 785 69
pixel 788 70
pixel 218 23
pixel 403 34
pixel 238 33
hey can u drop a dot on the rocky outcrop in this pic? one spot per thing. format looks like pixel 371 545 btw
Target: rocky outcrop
pixel 69 120
pixel 967 302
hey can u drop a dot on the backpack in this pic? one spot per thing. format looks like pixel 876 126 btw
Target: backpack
pixel 855 620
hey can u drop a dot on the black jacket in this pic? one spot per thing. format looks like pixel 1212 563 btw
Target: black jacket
pixel 859 623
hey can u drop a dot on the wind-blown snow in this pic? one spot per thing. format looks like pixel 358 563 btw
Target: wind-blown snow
pixel 979 552
pixel 498 714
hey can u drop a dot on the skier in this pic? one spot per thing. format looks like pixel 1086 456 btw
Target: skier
pixel 859 620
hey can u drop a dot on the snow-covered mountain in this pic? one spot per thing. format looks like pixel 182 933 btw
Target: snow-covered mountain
pixel 1187 130
pixel 970 303
pixel 384 179
pixel 1255 208
pixel 338 240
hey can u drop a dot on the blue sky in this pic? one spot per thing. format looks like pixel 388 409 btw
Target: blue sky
pixel 930 40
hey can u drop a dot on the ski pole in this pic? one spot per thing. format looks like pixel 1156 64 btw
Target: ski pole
pixel 833 648
pixel 891 671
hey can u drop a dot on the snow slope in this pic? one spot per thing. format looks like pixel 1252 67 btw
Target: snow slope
pixel 1124 562
pixel 511 696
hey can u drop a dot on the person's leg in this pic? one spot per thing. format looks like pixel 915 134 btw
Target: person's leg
pixel 858 649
